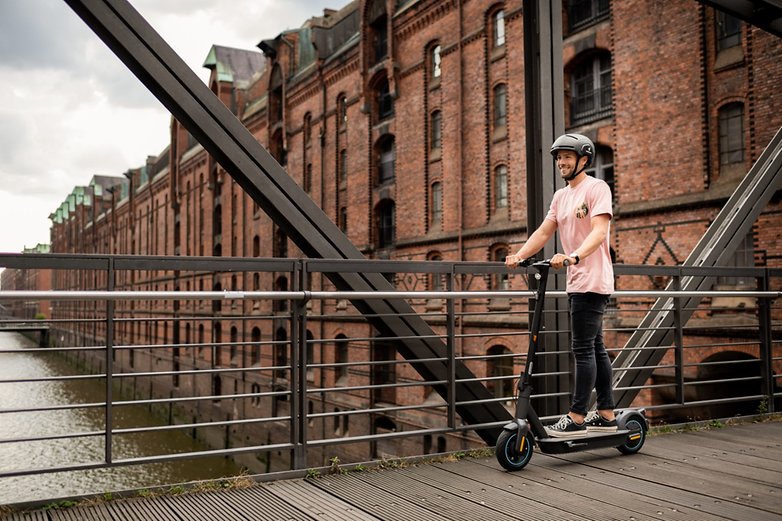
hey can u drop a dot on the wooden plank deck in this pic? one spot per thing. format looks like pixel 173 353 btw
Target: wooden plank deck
pixel 734 473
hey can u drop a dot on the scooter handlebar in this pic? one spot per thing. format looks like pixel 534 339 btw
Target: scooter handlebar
pixel 539 263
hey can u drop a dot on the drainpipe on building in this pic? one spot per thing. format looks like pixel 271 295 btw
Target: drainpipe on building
pixel 460 184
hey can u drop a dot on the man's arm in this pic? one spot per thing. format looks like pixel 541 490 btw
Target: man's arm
pixel 534 244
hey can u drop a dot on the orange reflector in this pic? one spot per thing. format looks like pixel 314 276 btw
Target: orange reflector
pixel 635 437
pixel 523 439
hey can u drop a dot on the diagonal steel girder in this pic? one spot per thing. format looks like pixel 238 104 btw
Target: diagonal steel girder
pixel 766 14
pixel 636 362
pixel 223 136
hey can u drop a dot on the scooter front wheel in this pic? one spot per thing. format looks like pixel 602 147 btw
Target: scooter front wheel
pixel 508 455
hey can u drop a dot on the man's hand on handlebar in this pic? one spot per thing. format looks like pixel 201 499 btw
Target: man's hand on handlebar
pixel 560 259
pixel 513 261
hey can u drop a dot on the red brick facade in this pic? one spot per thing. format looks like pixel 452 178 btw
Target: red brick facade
pixel 353 120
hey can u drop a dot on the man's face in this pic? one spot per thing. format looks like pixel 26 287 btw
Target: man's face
pixel 566 162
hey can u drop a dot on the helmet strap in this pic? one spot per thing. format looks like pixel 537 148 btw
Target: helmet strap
pixel 575 174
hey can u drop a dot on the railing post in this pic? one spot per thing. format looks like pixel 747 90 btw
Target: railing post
pixel 766 350
pixel 678 339
pixel 451 349
pixel 109 360
pixel 299 368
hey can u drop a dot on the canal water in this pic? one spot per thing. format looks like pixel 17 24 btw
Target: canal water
pixel 46 454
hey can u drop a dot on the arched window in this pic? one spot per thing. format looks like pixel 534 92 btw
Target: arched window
pixel 307 129
pixel 217 304
pixel 437 203
pixel 281 352
pixel 603 167
pixel 500 187
pixel 217 339
pixel 435 62
pixel 280 246
pixel 500 106
pixel 498 29
pixel 590 84
pixel 233 348
pixel 383 373
pixel 378 27
pixel 217 221
pixel 256 246
pixel 436 279
pixel 343 219
pixel 384 216
pixel 310 360
pixel 499 365
pixel 341 357
pixel 281 284
pixel 383 100
pixel 255 349
pixel 343 168
pixel 275 96
pixel 306 182
pixel 499 281
pixel 435 131
pixel 342 111
pixel 731 144
pixel 386 160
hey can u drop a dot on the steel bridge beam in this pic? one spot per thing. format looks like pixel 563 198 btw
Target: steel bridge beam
pixel 224 137
pixel 764 14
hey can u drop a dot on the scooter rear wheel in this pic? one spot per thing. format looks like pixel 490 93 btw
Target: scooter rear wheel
pixel 507 455
pixel 638 437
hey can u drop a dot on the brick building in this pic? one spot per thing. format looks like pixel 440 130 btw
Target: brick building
pixel 405 122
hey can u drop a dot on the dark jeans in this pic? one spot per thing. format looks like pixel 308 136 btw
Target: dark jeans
pixel 593 367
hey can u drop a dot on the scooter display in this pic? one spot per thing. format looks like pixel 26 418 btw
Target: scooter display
pixel 515 444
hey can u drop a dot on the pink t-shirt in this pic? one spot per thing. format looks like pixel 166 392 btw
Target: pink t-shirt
pixel 572 210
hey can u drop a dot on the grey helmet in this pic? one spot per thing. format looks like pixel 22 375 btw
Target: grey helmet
pixel 577 143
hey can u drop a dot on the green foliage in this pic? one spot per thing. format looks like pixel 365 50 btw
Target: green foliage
pixel 763 406
pixel 313 473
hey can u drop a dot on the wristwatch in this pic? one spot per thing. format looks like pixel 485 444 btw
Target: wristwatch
pixel 573 255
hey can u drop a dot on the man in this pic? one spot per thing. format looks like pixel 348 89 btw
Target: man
pixel 582 212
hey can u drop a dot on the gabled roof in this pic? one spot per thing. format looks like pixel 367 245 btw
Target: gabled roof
pixel 238 66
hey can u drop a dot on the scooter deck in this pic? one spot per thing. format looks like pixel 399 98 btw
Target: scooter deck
pixel 594 440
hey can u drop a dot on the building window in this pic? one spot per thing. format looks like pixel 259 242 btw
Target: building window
pixel 583 13
pixel 436 133
pixel 306 183
pixel 436 282
pixel 255 348
pixel 731 121
pixel 437 203
pixel 378 25
pixel 342 111
pixel 499 281
pixel 385 103
pixel 280 245
pixel 500 106
pixel 341 357
pixel 281 352
pixel 728 31
pixel 436 62
pixel 385 224
pixel 343 168
pixel 500 187
pixel 307 129
pixel 499 366
pixel 343 219
pixel 591 89
pixel 603 167
pixel 386 160
pixel 498 29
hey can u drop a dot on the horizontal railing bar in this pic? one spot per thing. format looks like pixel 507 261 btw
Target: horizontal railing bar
pixel 351 295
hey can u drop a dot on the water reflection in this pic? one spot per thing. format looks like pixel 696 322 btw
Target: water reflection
pixel 87 449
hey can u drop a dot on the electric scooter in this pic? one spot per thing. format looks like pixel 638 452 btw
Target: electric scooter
pixel 515 443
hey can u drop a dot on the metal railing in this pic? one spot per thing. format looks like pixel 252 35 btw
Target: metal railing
pixel 295 377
